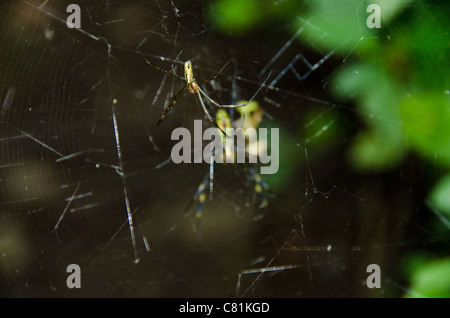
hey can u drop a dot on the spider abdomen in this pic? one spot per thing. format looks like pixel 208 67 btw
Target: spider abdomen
pixel 189 77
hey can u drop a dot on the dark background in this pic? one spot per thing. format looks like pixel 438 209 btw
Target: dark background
pixel 326 219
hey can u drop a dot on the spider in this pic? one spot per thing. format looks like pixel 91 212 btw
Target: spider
pixel 194 88
pixel 254 115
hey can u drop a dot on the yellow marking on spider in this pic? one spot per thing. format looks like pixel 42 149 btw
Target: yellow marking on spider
pixel 189 77
pixel 257 178
pixel 251 115
pixel 258 188
pixel 223 121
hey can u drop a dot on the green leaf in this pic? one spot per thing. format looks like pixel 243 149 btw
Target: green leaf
pixel 373 152
pixel 382 145
pixel 426 118
pixel 337 20
pixel 431 280
pixel 440 195
pixel 236 16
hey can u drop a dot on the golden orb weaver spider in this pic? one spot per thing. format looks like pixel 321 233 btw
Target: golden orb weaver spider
pixel 194 88
pixel 222 122
pixel 250 115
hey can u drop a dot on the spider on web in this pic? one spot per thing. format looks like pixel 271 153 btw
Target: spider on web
pixel 250 115
pixel 223 118
pixel 194 88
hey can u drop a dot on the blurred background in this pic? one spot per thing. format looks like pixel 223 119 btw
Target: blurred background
pixel 364 121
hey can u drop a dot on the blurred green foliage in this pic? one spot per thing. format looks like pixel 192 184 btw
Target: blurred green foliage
pixel 440 196
pixel 247 15
pixel 382 144
pixel 431 279
pixel 399 84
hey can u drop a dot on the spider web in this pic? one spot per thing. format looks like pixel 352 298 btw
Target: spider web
pixel 82 157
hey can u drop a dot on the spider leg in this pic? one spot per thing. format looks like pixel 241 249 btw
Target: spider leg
pixel 217 74
pixel 200 93
pixel 174 100
pixel 172 72
pixel 200 197
pixel 259 186
pixel 211 174
pixel 234 105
